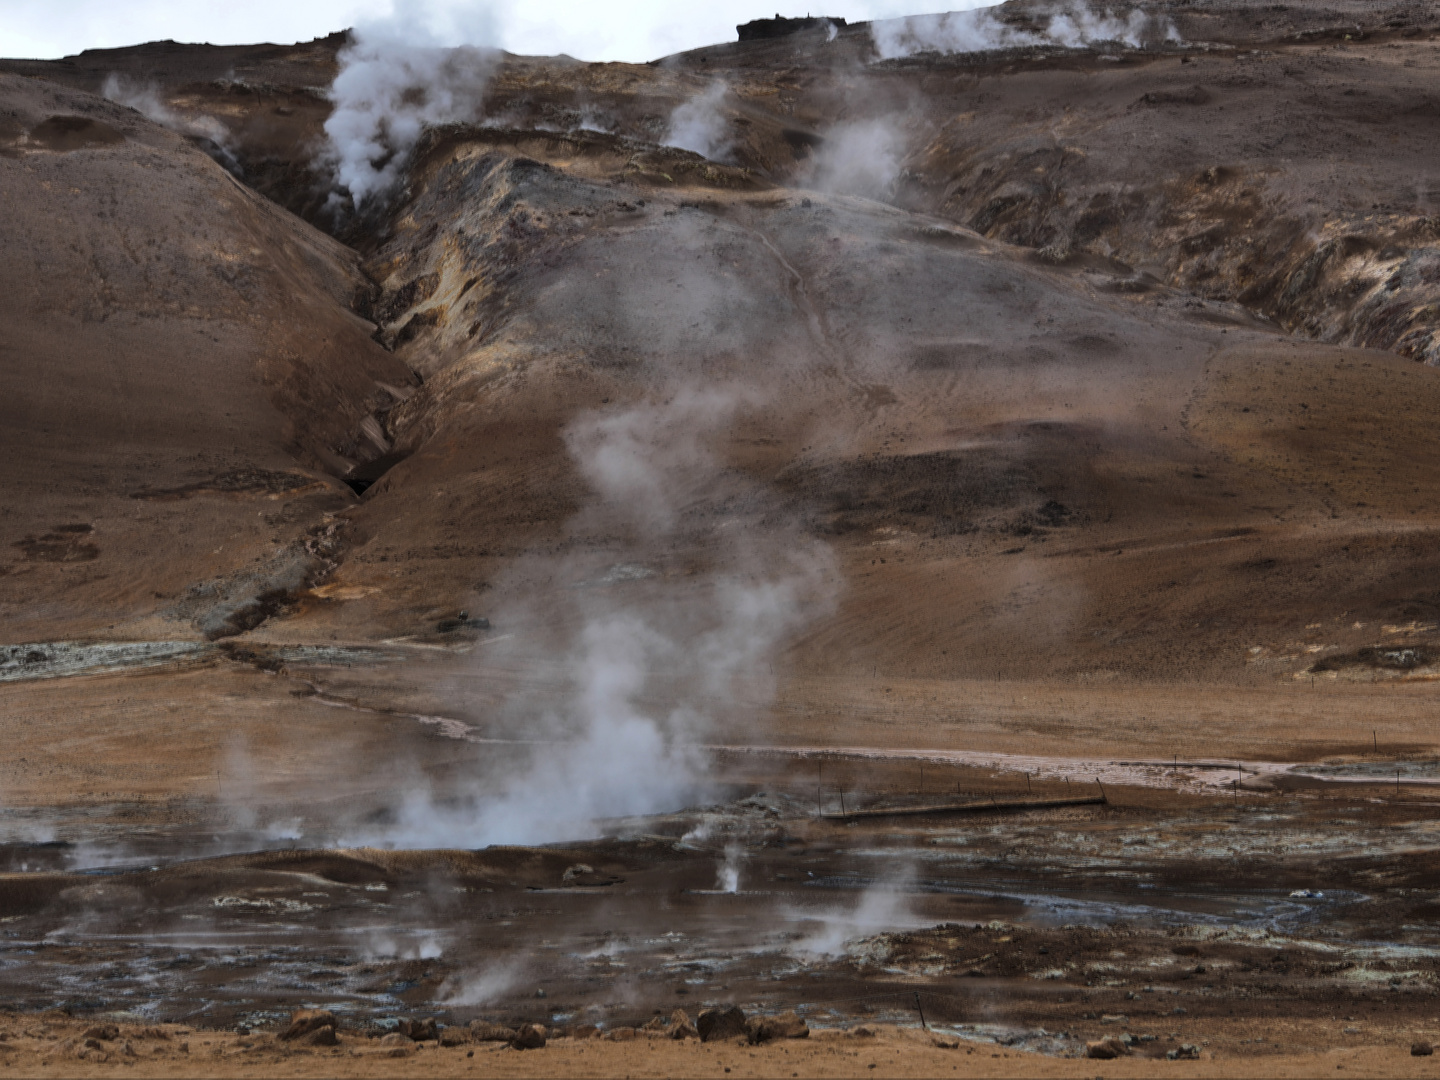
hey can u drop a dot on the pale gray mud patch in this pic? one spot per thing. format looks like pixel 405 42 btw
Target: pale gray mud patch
pixel 57 659
pixel 61 659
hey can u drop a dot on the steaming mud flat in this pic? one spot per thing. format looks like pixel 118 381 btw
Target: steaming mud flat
pixel 1175 918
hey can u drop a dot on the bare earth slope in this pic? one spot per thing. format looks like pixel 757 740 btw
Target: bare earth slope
pixel 185 378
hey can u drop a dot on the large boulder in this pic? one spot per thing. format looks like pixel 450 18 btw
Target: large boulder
pixel 1106 1049
pixel 681 1027
pixel 786 1025
pixel 529 1037
pixel 418 1030
pixel 715 1024
pixel 305 1021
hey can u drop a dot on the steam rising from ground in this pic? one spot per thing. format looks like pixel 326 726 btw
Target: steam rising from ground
pixel 1075 25
pixel 859 158
pixel 396 77
pixel 699 125
pixel 654 666
pixel 146 101
pixel 884 906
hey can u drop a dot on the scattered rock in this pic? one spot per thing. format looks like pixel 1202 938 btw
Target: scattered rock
pixel 1106 1049
pixel 396 1045
pixel 482 1031
pixel 573 872
pixel 304 1021
pixel 655 1023
pixel 716 1024
pixel 1421 1049
pixel 681 1027
pixel 787 1025
pixel 418 1030
pixel 529 1037
pixel 105 1032
pixel 1184 1052
pixel 321 1036
pixel 945 1044
pixel 862 1033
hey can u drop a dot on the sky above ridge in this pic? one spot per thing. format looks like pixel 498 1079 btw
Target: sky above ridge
pixel 637 30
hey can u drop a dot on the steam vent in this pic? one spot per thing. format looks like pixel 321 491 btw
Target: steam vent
pixel 894 547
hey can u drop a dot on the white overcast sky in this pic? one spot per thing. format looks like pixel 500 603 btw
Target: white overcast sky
pixel 635 30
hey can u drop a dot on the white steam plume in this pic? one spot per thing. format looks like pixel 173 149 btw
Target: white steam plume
pixel 1078 26
pixel 727 878
pixel 883 906
pixel 699 646
pixel 146 101
pixel 859 158
pixel 955 32
pixel 699 125
pixel 427 64
pixel 1075 25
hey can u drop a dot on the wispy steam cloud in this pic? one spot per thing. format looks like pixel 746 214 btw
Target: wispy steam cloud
pixel 146 101
pixel 425 65
pixel 653 668
pixel 860 158
pixel 885 905
pixel 700 126
pixel 1073 26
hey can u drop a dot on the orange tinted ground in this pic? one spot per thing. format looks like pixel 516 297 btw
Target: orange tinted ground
pixel 892 1052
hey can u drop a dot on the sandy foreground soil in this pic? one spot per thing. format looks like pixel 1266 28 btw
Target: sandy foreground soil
pixel 45 1046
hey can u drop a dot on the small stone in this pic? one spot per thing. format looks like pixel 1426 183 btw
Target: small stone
pixel 481 1031
pixel 1421 1049
pixel 1185 1052
pixel 529 1037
